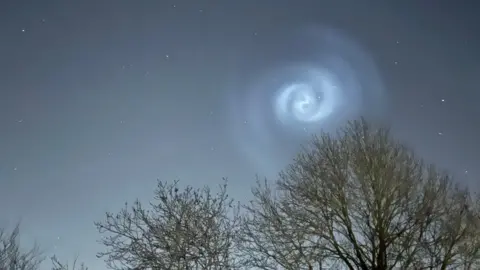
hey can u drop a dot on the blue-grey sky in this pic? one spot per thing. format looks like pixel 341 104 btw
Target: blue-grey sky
pixel 99 99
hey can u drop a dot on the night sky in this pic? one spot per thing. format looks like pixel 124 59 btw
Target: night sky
pixel 99 99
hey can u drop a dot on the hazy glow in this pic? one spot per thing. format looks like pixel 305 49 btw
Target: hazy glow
pixel 322 79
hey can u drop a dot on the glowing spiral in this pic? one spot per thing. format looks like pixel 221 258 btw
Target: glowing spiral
pixel 315 79
pixel 309 100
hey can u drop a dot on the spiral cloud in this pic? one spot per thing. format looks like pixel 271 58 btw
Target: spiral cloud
pixel 311 98
pixel 318 78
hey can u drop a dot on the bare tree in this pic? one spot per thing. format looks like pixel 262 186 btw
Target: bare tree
pixel 189 229
pixel 12 257
pixel 358 199
pixel 57 265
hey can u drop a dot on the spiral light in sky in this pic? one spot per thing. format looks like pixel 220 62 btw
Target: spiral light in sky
pixel 310 99
pixel 307 80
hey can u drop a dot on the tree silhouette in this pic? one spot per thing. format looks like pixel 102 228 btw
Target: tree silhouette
pixel 358 199
pixel 57 265
pixel 12 257
pixel 188 229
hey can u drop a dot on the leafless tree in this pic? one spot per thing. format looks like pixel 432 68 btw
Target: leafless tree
pixel 12 257
pixel 358 199
pixel 189 229
pixel 57 265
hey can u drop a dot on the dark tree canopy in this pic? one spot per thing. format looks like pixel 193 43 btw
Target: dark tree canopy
pixel 361 200
pixel 13 257
pixel 57 265
pixel 182 229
